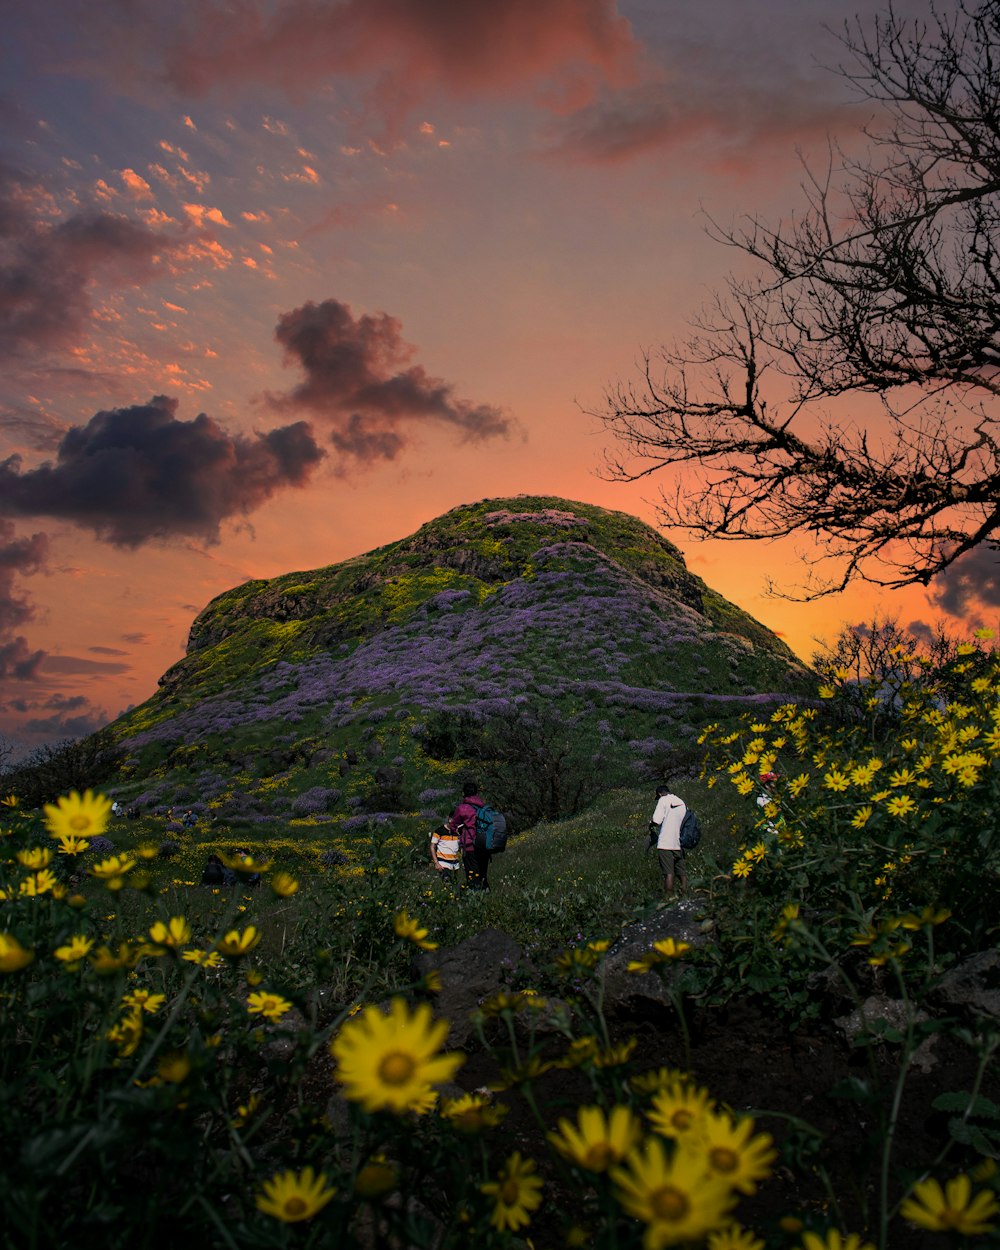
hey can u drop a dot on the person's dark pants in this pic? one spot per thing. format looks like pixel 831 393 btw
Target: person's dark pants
pixel 477 866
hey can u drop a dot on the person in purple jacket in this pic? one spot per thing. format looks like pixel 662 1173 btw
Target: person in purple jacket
pixel 475 859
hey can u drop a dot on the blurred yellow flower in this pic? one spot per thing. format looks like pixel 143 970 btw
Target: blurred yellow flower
pixel 270 1006
pixel 951 1209
pixel 284 884
pixel 733 1153
pixel 598 1140
pixel 176 932
pixel 13 956
pixel 37 857
pixel 204 959
pixel 76 815
pixel 672 1194
pixel 75 949
pixel 516 1192
pixel 294 1196
pixel 113 866
pixel 409 928
pixel 236 944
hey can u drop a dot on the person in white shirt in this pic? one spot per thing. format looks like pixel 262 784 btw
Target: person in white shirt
pixel 667 816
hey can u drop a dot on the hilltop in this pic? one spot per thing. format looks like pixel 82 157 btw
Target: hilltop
pixel 330 694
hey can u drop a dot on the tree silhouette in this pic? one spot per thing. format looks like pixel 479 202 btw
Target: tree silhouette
pixel 887 285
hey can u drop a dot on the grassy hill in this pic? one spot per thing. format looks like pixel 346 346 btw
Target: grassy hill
pixel 327 698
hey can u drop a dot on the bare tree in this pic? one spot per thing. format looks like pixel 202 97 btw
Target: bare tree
pixel 888 285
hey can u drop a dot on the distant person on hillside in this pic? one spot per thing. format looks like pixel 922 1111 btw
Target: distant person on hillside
pixel 446 855
pixel 215 873
pixel 667 817
pixel 462 823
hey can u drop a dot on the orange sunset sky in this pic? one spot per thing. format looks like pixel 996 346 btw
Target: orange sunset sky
pixel 281 281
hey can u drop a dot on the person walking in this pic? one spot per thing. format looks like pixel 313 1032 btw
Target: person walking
pixel 462 822
pixel 667 817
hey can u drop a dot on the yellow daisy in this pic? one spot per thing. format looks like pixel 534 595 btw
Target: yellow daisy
pixel 236 944
pixel 143 1000
pixel 13 956
pixel 951 1209
pixel 472 1112
pixel 733 1237
pixel 597 1141
pixel 106 961
pixel 113 866
pixel 679 1108
pixel 80 816
pixel 407 927
pixel 204 959
pixel 71 844
pixel 516 1191
pixel 284 884
pixel 833 1239
pixel 672 1194
pixel 391 1062
pixel 75 949
pixel 732 1154
pixel 176 932
pixel 37 857
pixel 294 1196
pixel 270 1006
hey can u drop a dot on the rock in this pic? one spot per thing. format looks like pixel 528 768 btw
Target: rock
pixel 973 986
pixel 878 1012
pixel 626 993
pixel 469 972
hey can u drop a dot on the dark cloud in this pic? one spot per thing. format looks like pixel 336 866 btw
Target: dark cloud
pixel 19 557
pixel 107 651
pixel 556 51
pixel 970 584
pixel 136 474
pixel 57 727
pixel 47 270
pixel 74 665
pixel 358 377
pixel 136 639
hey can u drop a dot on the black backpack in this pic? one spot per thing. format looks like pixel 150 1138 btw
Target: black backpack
pixel 690 830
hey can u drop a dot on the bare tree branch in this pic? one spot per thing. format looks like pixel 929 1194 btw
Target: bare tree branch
pixel 887 285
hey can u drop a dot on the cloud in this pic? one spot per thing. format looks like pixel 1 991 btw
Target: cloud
pixel 46 270
pixel 138 473
pixel 558 50
pixel 19 557
pixel 58 727
pixel 357 377
pixel 970 584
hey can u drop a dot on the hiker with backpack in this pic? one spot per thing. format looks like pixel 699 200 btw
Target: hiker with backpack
pixel 665 827
pixel 482 833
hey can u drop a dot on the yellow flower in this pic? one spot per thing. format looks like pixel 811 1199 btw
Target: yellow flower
pixel 105 961
pixel 901 805
pixel 516 1191
pixel 270 1006
pixel 13 956
pixel 952 1209
pixel 407 927
pixel 245 865
pixel 173 934
pixel 80 816
pixel 376 1178
pixel 833 1239
pixel 679 1108
pixel 112 867
pixel 143 1000
pixel 77 947
pixel 732 1154
pixel 72 845
pixel 37 857
pixel 284 884
pixel 204 959
pixel 245 1112
pixel 597 1141
pixel 674 1196
pixel 391 1061
pixel 798 784
pixel 472 1112
pixel 929 916
pixel 236 944
pixel 757 853
pixel 902 777
pixel 294 1196
pixel 836 780
pixel 127 1034
pixel 653 1081
pixel 862 816
pixel 742 868
pixel 733 1237
pixel 744 785
pixel 10 800
pixel 789 914
pixel 826 692
pixel 40 882
pixel 174 1067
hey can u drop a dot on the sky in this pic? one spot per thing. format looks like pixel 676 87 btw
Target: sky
pixel 281 280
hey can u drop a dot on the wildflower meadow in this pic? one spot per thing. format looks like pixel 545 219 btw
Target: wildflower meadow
pixel 266 1065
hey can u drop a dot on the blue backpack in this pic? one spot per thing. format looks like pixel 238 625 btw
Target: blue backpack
pixel 491 829
pixel 690 831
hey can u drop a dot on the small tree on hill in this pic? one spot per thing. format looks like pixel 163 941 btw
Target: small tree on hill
pixel 887 285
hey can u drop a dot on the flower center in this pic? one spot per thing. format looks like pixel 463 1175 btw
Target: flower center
pixel 600 1156
pixel 509 1193
pixel 396 1068
pixel 295 1207
pixel 79 823
pixel 722 1159
pixel 681 1119
pixel 669 1203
